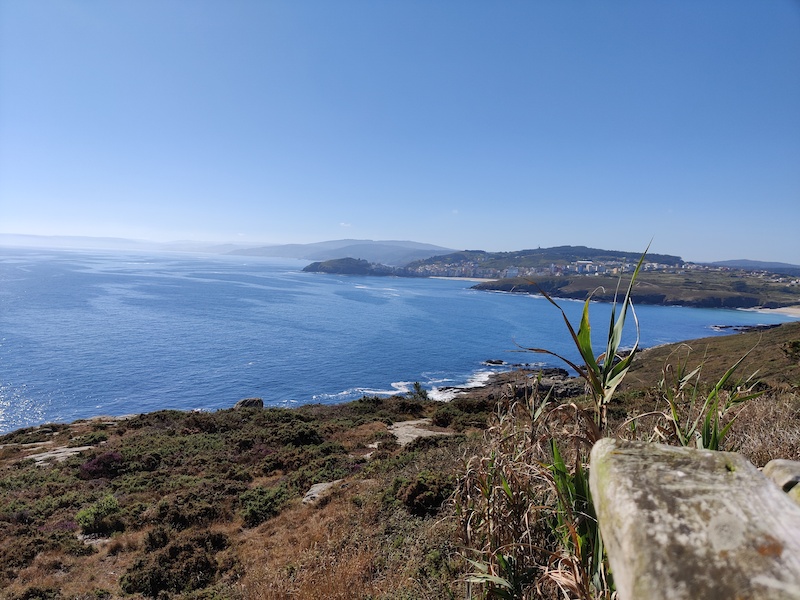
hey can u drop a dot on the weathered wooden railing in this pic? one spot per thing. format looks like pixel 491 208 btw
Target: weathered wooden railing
pixel 686 524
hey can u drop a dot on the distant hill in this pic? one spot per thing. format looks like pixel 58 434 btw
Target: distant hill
pixel 393 253
pixel 758 265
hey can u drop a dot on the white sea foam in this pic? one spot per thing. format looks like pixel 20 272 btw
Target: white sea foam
pixel 442 395
pixel 447 393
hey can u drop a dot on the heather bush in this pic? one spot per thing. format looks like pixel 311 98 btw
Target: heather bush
pixel 183 565
pixel 106 465
pixel 188 508
pixel 156 538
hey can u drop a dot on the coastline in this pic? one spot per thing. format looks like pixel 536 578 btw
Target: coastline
pixel 792 311
pixel 475 279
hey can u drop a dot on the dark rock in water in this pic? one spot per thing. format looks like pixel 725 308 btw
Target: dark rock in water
pixel 554 372
pixel 249 403
pixel 494 361
pixel 744 328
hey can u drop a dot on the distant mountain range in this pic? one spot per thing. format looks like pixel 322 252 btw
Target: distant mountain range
pixel 393 253
pixel 758 265
pixel 75 242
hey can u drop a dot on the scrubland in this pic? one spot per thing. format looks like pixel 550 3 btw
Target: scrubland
pixel 209 505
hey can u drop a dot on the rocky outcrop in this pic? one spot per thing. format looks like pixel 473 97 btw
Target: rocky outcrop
pixel 249 403
pixel 686 524
pixel 521 382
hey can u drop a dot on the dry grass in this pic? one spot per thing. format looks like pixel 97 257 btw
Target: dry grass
pixel 517 522
pixel 353 546
pixel 77 577
pixel 774 359
pixel 768 428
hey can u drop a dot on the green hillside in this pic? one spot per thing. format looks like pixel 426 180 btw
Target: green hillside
pixel 700 288
pixel 543 257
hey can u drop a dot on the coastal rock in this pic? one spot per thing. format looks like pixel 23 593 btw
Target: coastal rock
pixel 58 454
pixel 249 403
pixel 520 382
pixel 681 524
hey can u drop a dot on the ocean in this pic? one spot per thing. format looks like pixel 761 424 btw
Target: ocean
pixel 87 333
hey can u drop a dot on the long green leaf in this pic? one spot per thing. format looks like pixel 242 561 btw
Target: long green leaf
pixel 584 340
pixel 616 326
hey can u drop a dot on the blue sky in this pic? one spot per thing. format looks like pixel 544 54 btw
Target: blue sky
pixel 470 124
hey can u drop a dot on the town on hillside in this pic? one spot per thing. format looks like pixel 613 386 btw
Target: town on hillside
pixel 443 266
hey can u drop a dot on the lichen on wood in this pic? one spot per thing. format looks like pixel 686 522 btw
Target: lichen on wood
pixel 681 523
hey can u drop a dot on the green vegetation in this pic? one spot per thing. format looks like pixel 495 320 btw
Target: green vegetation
pixel 349 266
pixel 701 288
pixel 100 516
pixel 605 372
pixel 183 505
pixel 702 426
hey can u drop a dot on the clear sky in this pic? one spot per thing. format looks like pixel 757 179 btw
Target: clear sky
pixel 465 123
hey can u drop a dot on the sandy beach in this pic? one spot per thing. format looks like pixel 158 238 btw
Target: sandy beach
pixel 476 279
pixel 793 311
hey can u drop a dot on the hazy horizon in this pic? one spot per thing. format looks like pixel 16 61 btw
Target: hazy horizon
pixel 461 124
pixel 114 243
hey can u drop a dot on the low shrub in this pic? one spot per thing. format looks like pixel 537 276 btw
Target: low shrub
pixel 298 434
pixel 186 509
pixel 184 565
pixel 37 593
pixel 262 503
pixel 444 415
pixel 101 517
pixel 156 538
pixel 425 494
pixel 106 465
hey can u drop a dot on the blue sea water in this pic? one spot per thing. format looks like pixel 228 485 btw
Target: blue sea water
pixel 91 333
